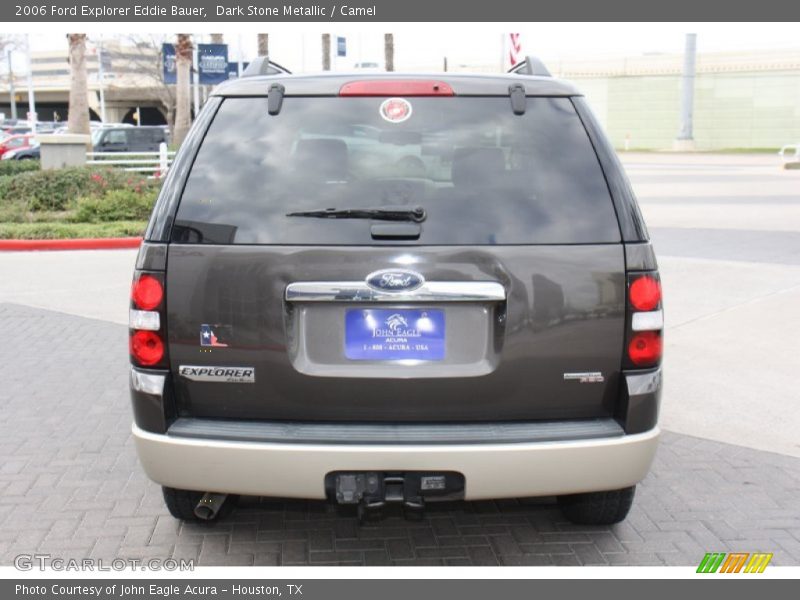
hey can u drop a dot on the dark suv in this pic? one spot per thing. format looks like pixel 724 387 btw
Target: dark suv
pixel 393 288
pixel 146 138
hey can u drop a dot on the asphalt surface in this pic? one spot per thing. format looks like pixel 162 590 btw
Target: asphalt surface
pixel 726 478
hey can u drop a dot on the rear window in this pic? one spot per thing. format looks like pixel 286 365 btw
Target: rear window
pixel 482 174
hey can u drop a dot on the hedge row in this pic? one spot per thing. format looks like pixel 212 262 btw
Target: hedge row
pixel 12 167
pixel 57 231
pixel 59 189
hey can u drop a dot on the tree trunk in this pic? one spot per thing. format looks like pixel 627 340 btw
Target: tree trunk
pixel 78 118
pixel 217 38
pixel 263 44
pixel 326 51
pixel 183 96
pixel 388 50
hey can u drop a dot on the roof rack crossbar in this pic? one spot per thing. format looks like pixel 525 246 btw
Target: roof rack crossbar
pixel 262 65
pixel 530 66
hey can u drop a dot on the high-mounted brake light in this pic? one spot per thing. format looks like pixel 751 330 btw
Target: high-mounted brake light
pixel 645 293
pixel 147 292
pixel 396 87
pixel 146 347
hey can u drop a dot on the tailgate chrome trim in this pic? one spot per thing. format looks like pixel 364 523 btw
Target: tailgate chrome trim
pixel 284 432
pixel 430 291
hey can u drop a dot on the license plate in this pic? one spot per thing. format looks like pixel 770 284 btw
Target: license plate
pixel 392 334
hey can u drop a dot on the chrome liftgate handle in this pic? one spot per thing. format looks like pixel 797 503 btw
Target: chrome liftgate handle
pixel 430 291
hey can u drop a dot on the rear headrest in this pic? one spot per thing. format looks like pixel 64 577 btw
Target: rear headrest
pixel 477 166
pixel 324 159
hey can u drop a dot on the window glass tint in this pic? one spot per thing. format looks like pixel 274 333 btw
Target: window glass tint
pixel 483 174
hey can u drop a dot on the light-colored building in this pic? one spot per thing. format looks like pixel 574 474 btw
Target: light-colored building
pixel 131 81
pixel 743 100
pixel 747 100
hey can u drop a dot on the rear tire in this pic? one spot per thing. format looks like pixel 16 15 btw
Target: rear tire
pixel 181 504
pixel 597 508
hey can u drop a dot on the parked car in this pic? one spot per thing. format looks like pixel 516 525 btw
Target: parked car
pixel 392 288
pixel 15 143
pixel 33 152
pixel 17 130
pixel 128 139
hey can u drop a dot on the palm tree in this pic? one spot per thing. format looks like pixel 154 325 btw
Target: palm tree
pixel 263 44
pixel 183 100
pixel 326 51
pixel 78 120
pixel 388 50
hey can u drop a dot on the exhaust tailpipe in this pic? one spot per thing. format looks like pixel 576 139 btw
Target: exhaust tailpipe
pixel 209 505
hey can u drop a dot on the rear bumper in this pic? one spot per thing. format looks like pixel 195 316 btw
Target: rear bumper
pixel 509 470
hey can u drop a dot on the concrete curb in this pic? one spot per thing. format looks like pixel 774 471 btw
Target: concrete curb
pixel 71 244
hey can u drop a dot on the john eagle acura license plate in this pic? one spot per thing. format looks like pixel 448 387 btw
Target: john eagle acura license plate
pixel 394 334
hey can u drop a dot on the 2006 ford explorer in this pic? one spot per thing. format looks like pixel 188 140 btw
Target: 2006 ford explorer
pixel 385 288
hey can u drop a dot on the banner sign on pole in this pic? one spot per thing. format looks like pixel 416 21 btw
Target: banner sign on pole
pixel 213 63
pixel 168 63
pixel 212 58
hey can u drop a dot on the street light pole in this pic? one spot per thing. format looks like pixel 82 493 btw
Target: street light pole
pixel 196 76
pixel 31 94
pixel 685 139
pixel 102 79
pixel 239 64
pixel 11 91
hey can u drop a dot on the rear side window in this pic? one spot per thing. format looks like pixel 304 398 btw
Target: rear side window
pixel 482 174
pixel 146 136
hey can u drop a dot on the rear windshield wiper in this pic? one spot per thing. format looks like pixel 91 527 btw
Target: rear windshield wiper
pixel 384 214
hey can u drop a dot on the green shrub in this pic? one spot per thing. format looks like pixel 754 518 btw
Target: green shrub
pixel 5 181
pixel 116 205
pixel 12 167
pixel 13 212
pixel 52 231
pixel 59 189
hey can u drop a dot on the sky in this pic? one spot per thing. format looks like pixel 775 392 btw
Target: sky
pixel 297 46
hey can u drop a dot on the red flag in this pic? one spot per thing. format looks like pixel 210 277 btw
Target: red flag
pixel 514 49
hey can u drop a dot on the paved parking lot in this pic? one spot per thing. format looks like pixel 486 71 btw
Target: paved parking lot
pixel 726 478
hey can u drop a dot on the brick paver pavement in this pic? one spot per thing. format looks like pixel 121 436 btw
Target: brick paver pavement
pixel 70 486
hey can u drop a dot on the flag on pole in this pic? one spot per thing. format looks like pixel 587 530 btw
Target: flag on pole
pixel 514 49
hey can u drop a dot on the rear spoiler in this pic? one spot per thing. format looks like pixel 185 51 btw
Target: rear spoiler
pixel 262 65
pixel 530 66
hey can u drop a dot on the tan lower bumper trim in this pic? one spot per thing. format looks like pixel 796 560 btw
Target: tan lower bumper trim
pixel 490 470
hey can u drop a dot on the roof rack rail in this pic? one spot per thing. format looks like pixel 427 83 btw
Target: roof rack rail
pixel 262 65
pixel 530 66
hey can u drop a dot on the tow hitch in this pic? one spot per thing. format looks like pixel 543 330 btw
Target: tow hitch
pixel 374 491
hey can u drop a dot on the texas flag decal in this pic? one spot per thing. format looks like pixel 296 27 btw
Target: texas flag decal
pixel 209 338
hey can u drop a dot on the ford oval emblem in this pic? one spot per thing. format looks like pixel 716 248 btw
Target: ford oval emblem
pixel 394 280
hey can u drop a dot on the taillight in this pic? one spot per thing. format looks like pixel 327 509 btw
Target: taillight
pixel 147 348
pixel 146 320
pixel 147 292
pixel 645 348
pixel 645 293
pixel 646 321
